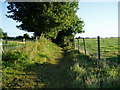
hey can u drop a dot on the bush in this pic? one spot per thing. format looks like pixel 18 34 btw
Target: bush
pixel 42 50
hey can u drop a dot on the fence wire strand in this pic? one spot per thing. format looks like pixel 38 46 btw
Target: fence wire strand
pixel 93 53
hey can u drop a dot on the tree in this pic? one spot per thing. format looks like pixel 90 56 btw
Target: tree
pixel 19 37
pixel 5 35
pixel 69 33
pixel 49 18
pixel 26 36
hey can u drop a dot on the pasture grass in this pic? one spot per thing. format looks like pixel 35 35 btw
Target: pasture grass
pixel 108 48
pixel 11 44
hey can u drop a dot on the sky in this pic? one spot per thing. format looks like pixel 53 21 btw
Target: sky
pixel 100 18
pixel 9 25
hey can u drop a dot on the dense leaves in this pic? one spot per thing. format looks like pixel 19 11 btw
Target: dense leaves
pixel 3 34
pixel 26 36
pixel 46 17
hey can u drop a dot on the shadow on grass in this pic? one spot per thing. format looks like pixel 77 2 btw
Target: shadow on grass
pixel 60 75
pixel 53 75
pixel 113 60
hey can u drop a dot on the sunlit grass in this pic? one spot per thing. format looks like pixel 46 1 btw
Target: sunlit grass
pixel 22 65
pixel 42 64
pixel 108 47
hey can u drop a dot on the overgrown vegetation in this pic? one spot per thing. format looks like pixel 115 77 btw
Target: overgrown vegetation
pixel 42 64
pixel 57 20
pixel 91 73
pixel 31 55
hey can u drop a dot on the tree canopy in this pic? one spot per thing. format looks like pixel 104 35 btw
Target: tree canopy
pixel 49 18
pixel 3 34
pixel 26 36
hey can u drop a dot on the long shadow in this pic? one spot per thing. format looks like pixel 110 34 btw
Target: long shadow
pixel 47 75
pixel 113 60
pixel 53 75
pixel 86 62
pixel 59 75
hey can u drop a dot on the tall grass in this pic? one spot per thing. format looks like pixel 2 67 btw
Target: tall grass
pixel 20 59
pixel 42 64
pixel 90 73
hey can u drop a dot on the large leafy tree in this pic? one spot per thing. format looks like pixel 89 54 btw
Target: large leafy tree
pixel 68 33
pixel 49 18
pixel 3 34
pixel 26 36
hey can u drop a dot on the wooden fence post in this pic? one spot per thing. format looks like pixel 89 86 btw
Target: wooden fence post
pixel 36 38
pixel 24 40
pixel 78 44
pixel 1 63
pixel 1 49
pixel 84 45
pixel 6 43
pixel 98 48
pixel 74 44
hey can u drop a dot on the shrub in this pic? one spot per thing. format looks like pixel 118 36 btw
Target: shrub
pixel 42 50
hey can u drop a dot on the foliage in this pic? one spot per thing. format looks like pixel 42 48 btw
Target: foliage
pixel 33 50
pixel 70 70
pixel 26 36
pixel 90 73
pixel 18 62
pixel 19 37
pixel 3 34
pixel 49 18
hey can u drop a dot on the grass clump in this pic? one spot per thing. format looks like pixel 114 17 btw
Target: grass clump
pixel 91 73
pixel 42 50
pixel 21 65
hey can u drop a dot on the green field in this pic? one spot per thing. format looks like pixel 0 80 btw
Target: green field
pixel 11 44
pixel 108 48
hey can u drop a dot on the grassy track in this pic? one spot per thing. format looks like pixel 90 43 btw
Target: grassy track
pixel 43 64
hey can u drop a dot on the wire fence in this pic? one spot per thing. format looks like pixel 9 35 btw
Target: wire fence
pixel 12 44
pixel 104 49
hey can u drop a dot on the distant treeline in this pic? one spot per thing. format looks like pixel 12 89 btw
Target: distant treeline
pixel 18 38
pixel 94 37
